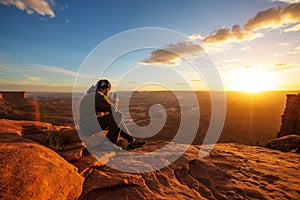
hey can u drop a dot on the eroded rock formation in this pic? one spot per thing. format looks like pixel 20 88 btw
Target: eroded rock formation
pixel 290 121
pixel 72 147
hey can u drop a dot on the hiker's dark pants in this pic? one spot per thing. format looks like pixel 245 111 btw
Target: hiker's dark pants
pixel 116 126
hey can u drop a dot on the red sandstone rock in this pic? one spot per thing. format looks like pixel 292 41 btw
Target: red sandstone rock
pixel 71 135
pixel 231 171
pixel 31 171
pixel 71 146
pixel 22 127
pixel 72 155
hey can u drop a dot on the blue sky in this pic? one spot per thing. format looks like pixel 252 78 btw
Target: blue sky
pixel 43 43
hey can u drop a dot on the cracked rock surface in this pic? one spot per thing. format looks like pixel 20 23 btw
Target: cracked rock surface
pixel 229 171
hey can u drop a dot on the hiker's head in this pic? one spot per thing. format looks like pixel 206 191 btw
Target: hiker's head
pixel 103 86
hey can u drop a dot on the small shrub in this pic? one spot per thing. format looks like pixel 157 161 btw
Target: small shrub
pixel 123 144
pixel 55 140
pixel 255 143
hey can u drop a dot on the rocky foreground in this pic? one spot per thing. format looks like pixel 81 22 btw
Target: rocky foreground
pixel 29 170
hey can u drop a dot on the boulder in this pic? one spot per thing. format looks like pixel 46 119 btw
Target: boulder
pixel 35 128
pixel 31 171
pixel 13 138
pixel 72 155
pixel 98 179
pixel 38 137
pixel 72 146
pixel 88 161
pixel 23 127
pixel 285 144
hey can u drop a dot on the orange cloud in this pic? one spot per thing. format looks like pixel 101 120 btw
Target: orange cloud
pixel 172 53
pixel 41 7
pixel 225 35
pixel 275 17
pixel 272 18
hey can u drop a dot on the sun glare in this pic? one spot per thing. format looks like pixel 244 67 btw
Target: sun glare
pixel 252 81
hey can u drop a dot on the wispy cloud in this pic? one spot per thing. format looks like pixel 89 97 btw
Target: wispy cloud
pixel 196 80
pixel 42 7
pixel 292 29
pixel 41 78
pixel 171 54
pixel 284 44
pixel 64 7
pixel 39 73
pixel 287 1
pixel 232 60
pixel 280 67
pixel 294 51
pixel 34 78
pixel 51 70
pixel 272 67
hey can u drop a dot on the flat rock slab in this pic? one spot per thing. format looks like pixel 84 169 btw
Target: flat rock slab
pixel 229 171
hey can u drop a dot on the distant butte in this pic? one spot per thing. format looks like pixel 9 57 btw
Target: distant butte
pixel 13 95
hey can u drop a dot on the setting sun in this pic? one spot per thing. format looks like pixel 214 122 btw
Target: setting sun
pixel 252 80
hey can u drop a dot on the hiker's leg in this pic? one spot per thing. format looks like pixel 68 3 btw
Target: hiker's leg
pixel 133 142
pixel 113 128
pixel 125 133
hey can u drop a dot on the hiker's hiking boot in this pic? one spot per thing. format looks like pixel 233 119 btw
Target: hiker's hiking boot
pixel 136 143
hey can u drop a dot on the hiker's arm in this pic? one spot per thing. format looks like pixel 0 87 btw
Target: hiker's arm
pixel 114 99
pixel 102 103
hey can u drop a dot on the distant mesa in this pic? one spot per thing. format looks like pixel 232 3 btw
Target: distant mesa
pixel 13 95
pixel 17 105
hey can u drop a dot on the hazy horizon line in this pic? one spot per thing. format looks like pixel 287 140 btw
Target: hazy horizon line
pixel 43 91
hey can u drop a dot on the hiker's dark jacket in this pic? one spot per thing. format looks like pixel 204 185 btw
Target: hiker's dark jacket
pixel 89 114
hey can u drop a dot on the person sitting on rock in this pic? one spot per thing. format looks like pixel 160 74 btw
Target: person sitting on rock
pixel 107 116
